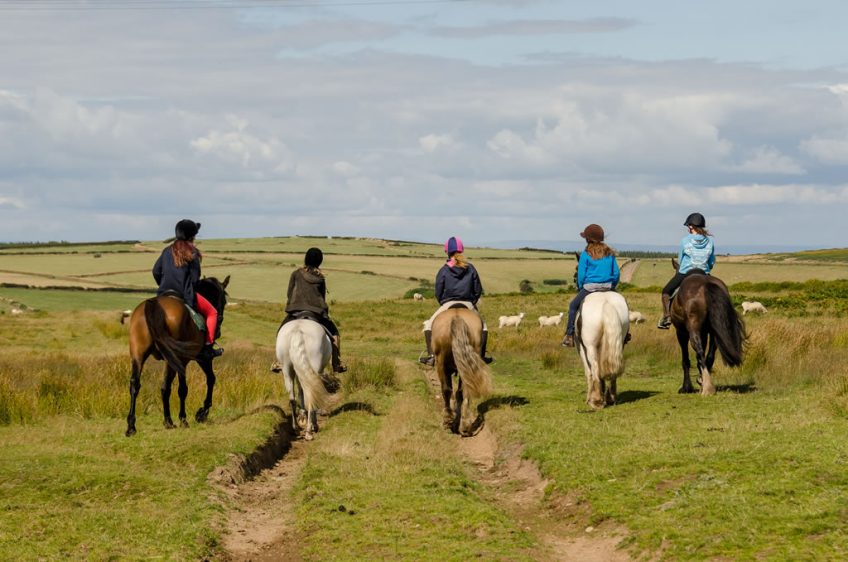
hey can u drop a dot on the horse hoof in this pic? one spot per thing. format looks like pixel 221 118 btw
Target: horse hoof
pixel 308 436
pixel 202 415
pixel 169 425
pixel 183 423
pixel 684 390
pixel 130 432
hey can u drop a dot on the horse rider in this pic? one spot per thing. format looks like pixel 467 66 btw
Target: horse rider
pixel 696 255
pixel 178 270
pixel 457 284
pixel 306 298
pixel 597 270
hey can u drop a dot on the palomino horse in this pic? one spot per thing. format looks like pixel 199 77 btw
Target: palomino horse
pixel 163 328
pixel 703 316
pixel 304 352
pixel 456 344
pixel 600 330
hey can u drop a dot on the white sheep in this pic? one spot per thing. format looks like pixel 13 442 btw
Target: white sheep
pixel 636 317
pixel 16 311
pixel 510 320
pixel 418 297
pixel 550 320
pixel 125 314
pixel 753 307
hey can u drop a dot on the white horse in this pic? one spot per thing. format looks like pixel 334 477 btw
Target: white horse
pixel 600 330
pixel 304 352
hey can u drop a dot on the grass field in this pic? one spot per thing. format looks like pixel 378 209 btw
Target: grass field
pixel 756 472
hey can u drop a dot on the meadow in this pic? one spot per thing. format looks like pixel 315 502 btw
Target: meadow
pixel 756 472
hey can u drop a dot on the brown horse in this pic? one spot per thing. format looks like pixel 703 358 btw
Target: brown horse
pixel 457 334
pixel 704 317
pixel 162 327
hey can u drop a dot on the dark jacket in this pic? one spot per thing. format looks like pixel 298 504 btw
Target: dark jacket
pixel 458 284
pixel 307 291
pixel 179 279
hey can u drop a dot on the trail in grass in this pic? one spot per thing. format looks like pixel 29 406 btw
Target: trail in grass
pixel 515 484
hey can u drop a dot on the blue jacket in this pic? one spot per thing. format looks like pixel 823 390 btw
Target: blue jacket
pixel 458 284
pixel 696 252
pixel 604 270
pixel 179 279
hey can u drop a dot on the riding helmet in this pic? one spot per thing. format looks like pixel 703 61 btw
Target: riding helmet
pixel 454 245
pixel 696 219
pixel 186 229
pixel 593 233
pixel 313 258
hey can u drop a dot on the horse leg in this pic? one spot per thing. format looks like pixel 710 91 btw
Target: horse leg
pixel 135 387
pixel 711 352
pixel 611 395
pixel 445 381
pixel 594 395
pixel 166 396
pixel 458 403
pixel 202 413
pixel 683 340
pixel 182 392
pixel 707 388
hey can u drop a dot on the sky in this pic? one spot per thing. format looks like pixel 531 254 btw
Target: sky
pixel 419 119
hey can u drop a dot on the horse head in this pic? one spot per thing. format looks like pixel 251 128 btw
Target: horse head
pixel 215 292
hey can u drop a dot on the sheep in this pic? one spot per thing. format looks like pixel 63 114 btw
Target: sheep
pixel 510 320
pixel 636 317
pixel 418 297
pixel 16 311
pixel 550 320
pixel 125 314
pixel 753 307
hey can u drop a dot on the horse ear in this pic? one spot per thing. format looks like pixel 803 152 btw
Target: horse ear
pixel 674 263
pixel 226 281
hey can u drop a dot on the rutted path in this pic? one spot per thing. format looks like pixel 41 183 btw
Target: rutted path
pixel 558 523
pixel 628 270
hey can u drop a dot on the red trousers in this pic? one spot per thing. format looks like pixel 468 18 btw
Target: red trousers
pixel 208 311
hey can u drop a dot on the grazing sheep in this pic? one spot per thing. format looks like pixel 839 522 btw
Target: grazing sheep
pixel 636 317
pixel 550 320
pixel 16 311
pixel 753 307
pixel 418 297
pixel 510 320
pixel 124 315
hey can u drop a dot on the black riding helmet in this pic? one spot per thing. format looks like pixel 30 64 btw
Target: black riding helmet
pixel 313 257
pixel 186 229
pixel 696 219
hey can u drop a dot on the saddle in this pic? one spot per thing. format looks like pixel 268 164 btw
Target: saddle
pixel 198 318
pixel 307 315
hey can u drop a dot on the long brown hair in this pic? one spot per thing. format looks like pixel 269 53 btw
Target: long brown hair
pixel 183 252
pixel 459 260
pixel 598 250
pixel 701 231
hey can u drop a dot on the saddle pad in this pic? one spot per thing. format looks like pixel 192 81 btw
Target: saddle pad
pixel 198 318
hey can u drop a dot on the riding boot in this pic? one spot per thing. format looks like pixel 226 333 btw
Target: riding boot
pixel 428 341
pixel 665 321
pixel 209 351
pixel 568 340
pixel 338 366
pixel 483 340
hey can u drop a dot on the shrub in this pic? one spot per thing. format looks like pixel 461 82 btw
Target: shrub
pixel 525 287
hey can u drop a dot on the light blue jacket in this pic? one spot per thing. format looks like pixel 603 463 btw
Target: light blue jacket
pixel 604 270
pixel 696 252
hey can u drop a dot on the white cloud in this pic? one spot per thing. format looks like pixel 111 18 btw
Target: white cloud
pixel 433 142
pixel 768 160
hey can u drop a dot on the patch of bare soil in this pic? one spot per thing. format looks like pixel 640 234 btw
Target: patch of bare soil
pixel 260 521
pixel 628 270
pixel 560 524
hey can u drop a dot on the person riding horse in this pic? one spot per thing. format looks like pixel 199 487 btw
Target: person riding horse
pixel 696 255
pixel 306 298
pixel 597 270
pixel 178 271
pixel 457 284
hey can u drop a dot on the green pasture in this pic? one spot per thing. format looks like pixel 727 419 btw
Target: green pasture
pixel 658 272
pixel 756 472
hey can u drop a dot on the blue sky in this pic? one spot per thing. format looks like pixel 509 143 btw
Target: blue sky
pixel 493 120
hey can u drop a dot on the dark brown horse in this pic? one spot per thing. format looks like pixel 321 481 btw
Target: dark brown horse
pixel 162 327
pixel 704 317
pixel 457 334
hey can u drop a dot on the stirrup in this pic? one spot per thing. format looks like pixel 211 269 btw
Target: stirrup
pixel 276 367
pixel 568 341
pixel 488 360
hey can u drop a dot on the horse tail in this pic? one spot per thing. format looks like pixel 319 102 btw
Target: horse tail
pixel 725 325
pixel 314 393
pixel 611 360
pixel 473 371
pixel 174 352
